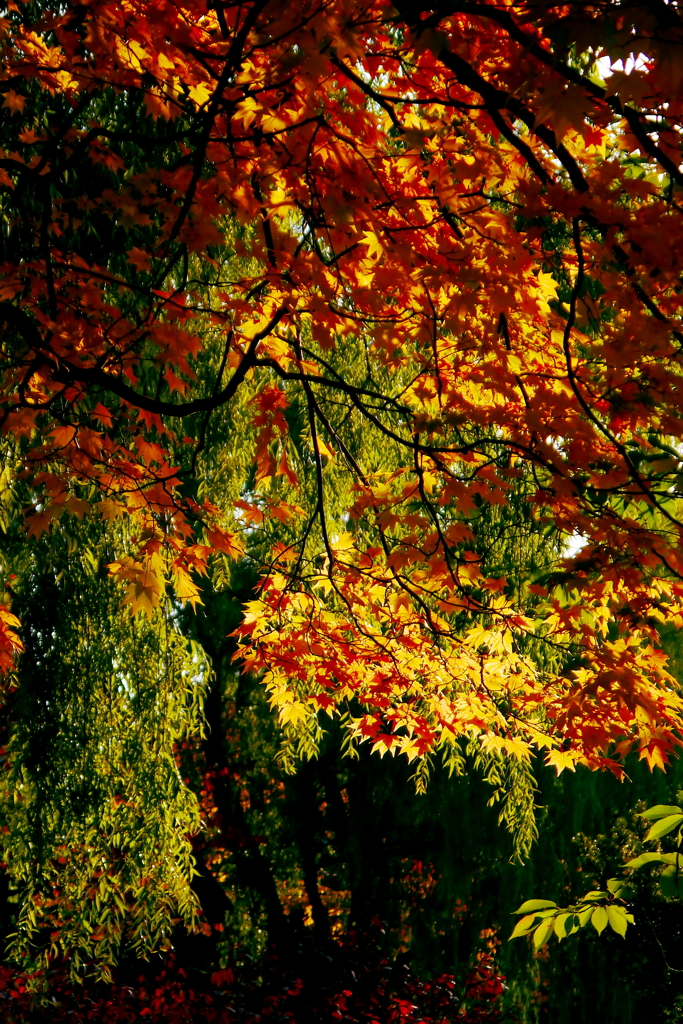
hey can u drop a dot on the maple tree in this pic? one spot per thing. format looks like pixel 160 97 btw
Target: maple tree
pixel 362 292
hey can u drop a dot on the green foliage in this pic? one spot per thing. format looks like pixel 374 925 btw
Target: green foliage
pixel 97 820
pixel 665 819
pixel 544 918
pixel 514 793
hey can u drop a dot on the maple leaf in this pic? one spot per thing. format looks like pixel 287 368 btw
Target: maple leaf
pixel 40 522
pixel 77 506
pixel 224 540
pixel 174 382
pixel 146 583
pixel 185 587
pixel 564 105
pixel 10 644
pixel 14 101
pixel 199 93
pixel 63 435
pixel 373 243
pixel 284 469
pixel 559 760
pixel 139 258
pixel 292 713
pixel 110 510
pixel 103 415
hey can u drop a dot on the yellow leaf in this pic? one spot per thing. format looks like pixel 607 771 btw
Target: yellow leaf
pixel 343 542
pixel 291 714
pixel 274 346
pixel 516 747
pixel 147 583
pixel 144 596
pixel 199 93
pixel 185 588
pixel 375 247
pixel 110 510
pixel 617 920
pixel 559 760
pixel 325 449
pixel 599 919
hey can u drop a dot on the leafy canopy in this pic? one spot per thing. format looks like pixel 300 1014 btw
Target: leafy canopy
pixel 385 298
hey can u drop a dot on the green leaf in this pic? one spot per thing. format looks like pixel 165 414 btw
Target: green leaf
pixel 584 916
pixel 543 933
pixel 671 881
pixel 562 921
pixel 596 894
pixel 664 826
pixel 650 858
pixel 530 905
pixel 523 926
pixel 615 885
pixel 617 920
pixel 599 919
pixel 659 811
pixel 573 925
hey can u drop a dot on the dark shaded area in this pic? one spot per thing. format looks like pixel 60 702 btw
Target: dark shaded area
pixel 435 868
pixel 351 980
pixel 341 879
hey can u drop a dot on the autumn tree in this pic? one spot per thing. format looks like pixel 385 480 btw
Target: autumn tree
pixel 353 291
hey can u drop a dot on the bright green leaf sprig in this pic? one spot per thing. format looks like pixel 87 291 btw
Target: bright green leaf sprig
pixel 665 819
pixel 543 918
